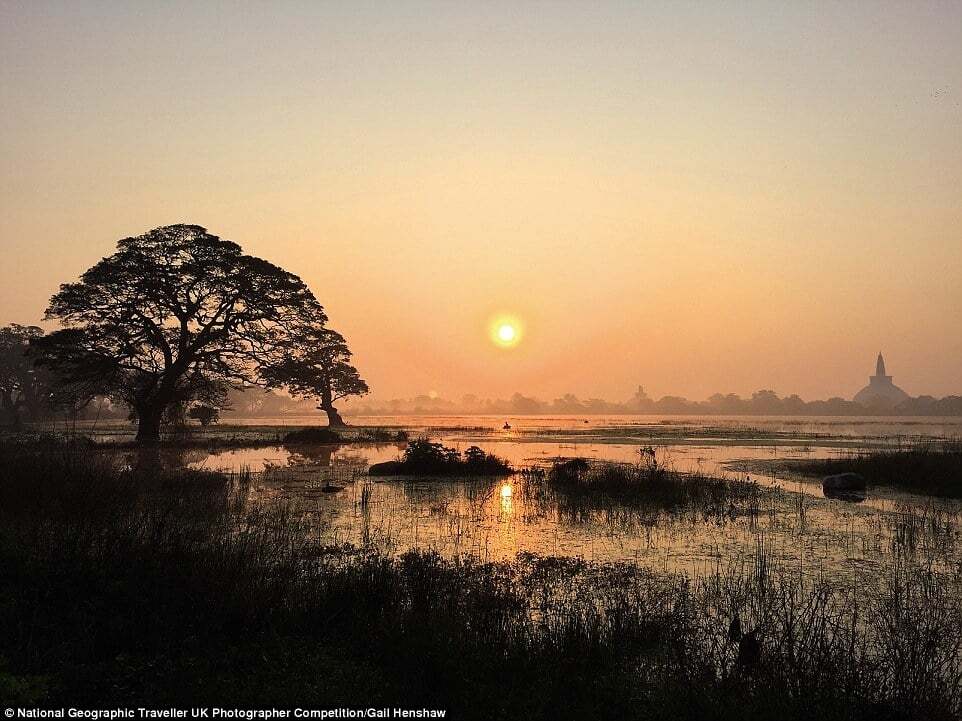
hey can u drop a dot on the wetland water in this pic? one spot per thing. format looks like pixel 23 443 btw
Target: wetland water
pixel 790 524
pixel 494 520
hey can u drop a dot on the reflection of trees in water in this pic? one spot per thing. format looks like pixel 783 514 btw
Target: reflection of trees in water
pixel 153 458
pixel 314 455
pixel 354 455
pixel 429 493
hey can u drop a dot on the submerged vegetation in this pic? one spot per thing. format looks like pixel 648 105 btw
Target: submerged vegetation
pixel 426 458
pixel 932 469
pixel 119 584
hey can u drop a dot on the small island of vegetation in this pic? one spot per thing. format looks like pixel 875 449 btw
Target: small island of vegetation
pixel 425 458
pixel 648 486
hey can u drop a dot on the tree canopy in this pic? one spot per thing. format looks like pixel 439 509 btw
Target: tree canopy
pixel 321 368
pixel 179 315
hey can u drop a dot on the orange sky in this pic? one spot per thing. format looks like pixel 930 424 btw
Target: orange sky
pixel 692 197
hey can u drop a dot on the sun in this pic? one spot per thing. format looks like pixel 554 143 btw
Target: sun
pixel 506 331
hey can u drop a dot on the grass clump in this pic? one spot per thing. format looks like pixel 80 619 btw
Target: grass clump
pixel 426 458
pixel 645 486
pixel 929 469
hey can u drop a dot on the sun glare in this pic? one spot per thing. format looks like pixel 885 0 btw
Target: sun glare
pixel 505 331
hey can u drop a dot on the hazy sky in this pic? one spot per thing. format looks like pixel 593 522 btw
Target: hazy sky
pixel 693 197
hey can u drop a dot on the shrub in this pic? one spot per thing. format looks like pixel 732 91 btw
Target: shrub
pixel 205 414
pixel 423 457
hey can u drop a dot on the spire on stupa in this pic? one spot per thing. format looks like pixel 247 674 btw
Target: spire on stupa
pixel 880 365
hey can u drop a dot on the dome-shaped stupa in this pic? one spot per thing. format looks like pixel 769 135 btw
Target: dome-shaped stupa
pixel 880 392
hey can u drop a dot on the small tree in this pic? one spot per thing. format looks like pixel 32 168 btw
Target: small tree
pixel 175 313
pixel 428 456
pixel 474 456
pixel 321 368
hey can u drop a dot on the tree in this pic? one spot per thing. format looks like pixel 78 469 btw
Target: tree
pixel 24 387
pixel 766 401
pixel 523 404
pixel 321 368
pixel 178 315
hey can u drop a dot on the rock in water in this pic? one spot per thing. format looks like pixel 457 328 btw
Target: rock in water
pixel 843 482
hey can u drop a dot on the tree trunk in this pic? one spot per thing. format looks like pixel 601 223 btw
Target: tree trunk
pixel 32 402
pixel 10 410
pixel 334 419
pixel 148 424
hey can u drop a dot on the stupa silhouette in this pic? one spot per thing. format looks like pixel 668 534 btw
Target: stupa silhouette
pixel 880 391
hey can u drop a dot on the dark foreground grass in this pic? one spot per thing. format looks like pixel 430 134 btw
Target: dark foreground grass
pixel 930 469
pixel 121 586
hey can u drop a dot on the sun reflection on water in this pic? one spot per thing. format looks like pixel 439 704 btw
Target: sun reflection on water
pixel 507 501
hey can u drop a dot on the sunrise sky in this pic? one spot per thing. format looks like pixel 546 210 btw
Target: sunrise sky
pixel 695 197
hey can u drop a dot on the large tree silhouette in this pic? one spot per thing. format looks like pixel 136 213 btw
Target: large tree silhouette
pixel 176 315
pixel 320 368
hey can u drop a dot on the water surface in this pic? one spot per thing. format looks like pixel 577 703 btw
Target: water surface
pixel 495 520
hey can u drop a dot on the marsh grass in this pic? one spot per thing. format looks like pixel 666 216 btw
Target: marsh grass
pixel 119 584
pixel 927 468
pixel 649 488
pixel 927 530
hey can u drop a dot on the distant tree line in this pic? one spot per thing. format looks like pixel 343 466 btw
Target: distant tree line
pixel 167 327
pixel 763 402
